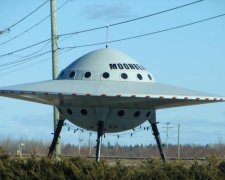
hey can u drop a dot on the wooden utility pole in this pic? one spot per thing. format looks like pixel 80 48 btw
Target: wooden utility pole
pixel 55 66
pixel 90 143
pixel 167 133
pixel 178 142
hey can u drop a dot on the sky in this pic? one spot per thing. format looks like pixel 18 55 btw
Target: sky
pixel 190 57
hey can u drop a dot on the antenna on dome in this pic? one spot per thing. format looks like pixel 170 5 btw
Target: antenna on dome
pixel 106 38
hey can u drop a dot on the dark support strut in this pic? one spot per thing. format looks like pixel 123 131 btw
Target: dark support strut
pixel 156 134
pixel 99 139
pixel 56 137
pixel 158 140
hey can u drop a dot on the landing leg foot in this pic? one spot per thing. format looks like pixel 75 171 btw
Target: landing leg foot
pixel 153 123
pixel 99 139
pixel 56 137
pixel 158 140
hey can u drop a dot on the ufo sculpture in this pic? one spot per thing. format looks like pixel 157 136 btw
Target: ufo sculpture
pixel 107 91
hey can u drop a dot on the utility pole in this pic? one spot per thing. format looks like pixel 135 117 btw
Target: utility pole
pixel 55 67
pixel 80 141
pixel 167 133
pixel 178 142
pixel 90 143
pixel 117 142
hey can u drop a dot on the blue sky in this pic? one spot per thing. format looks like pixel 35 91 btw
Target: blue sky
pixel 191 57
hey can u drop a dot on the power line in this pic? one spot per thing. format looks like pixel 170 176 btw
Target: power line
pixel 118 40
pixel 38 23
pixel 20 34
pixel 31 54
pixel 25 17
pixel 27 47
pixel 157 13
pixel 127 21
pixel 15 63
pixel 22 61
pixel 19 69
pixel 108 26
pixel 146 34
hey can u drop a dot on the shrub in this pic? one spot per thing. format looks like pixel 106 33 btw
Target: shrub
pixel 82 168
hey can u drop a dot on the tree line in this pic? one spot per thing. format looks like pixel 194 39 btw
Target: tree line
pixel 38 147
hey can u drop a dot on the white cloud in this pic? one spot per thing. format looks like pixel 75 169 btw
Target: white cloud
pixel 106 11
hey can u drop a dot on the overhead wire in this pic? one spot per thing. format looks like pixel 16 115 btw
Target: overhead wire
pixel 15 63
pixel 19 69
pixel 146 34
pixel 25 61
pixel 122 22
pixel 20 34
pixel 38 23
pixel 130 20
pixel 24 48
pixel 33 53
pixel 25 17
pixel 66 49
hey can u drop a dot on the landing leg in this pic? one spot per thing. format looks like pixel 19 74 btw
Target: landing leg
pixel 156 134
pixel 99 139
pixel 55 138
pixel 158 140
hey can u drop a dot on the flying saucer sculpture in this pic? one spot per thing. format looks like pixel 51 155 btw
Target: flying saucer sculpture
pixel 107 91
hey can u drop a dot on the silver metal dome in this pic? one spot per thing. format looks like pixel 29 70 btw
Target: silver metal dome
pixel 106 64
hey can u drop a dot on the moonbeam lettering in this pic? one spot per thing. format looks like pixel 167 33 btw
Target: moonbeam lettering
pixel 126 66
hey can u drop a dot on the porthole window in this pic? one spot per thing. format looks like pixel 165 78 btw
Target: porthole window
pixel 148 114
pixel 139 76
pixel 124 76
pixel 72 74
pixel 120 113
pixel 69 111
pixel 149 77
pixel 83 112
pixel 105 75
pixel 87 74
pixel 137 113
